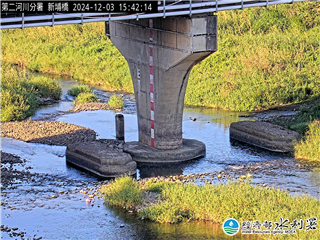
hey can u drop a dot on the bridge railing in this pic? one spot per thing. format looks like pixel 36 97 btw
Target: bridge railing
pixel 165 9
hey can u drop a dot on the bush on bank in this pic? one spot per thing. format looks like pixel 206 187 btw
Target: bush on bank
pixel 242 201
pixel 46 88
pixel 77 89
pixel 20 95
pixel 309 147
pixel 115 102
pixel 86 97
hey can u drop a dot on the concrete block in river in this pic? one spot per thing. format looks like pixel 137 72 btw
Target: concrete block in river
pixel 264 135
pixel 142 153
pixel 99 159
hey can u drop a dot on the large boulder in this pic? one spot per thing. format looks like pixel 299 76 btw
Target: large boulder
pixel 101 160
pixel 264 135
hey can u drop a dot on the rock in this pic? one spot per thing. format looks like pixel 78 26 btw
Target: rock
pixel 264 135
pixel 100 160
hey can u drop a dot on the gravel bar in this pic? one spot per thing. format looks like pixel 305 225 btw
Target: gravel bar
pixel 45 132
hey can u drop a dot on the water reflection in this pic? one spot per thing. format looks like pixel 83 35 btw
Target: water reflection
pixel 69 218
pixel 221 153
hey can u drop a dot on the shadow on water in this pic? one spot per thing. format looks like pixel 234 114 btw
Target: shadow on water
pixel 194 230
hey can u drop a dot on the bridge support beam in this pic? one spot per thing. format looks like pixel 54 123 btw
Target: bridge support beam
pixel 161 53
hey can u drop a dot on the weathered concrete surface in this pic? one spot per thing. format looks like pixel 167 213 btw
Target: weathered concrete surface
pixel 161 53
pixel 100 160
pixel 142 153
pixel 264 135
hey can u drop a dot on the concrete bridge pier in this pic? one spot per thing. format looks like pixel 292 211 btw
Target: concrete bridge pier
pixel 161 53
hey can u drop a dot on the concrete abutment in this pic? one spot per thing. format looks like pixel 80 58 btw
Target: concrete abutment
pixel 161 53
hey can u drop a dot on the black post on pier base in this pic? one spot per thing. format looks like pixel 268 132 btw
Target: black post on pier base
pixel 119 127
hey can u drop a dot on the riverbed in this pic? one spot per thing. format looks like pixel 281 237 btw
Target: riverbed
pixel 52 204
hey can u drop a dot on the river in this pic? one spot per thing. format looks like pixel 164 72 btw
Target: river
pixel 52 207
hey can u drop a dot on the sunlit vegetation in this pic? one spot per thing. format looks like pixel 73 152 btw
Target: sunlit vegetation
pixel 77 89
pixel 184 202
pixel 266 57
pixel 81 52
pixel 86 97
pixel 124 192
pixel 309 147
pixel 20 95
pixel 115 102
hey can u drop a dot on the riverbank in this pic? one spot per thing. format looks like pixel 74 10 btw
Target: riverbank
pixel 21 94
pixel 178 202
pixel 45 132
pixel 303 118
pixel 57 195
pixel 266 57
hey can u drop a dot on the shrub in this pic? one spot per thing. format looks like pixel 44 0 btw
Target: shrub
pixel 46 87
pixel 19 93
pixel 77 89
pixel 309 147
pixel 86 97
pixel 18 97
pixel 115 102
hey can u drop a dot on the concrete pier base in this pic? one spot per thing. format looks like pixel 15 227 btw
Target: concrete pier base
pixel 96 158
pixel 264 135
pixel 142 153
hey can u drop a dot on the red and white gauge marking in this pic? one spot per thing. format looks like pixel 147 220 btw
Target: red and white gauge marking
pixel 151 82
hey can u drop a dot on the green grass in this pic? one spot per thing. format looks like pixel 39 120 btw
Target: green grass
pixel 77 89
pixel 115 102
pixel 216 203
pixel 123 192
pixel 86 97
pixel 300 123
pixel 81 52
pixel 19 94
pixel 46 87
pixel 265 57
pixel 309 147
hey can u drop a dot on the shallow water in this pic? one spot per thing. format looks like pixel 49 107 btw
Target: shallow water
pixel 67 216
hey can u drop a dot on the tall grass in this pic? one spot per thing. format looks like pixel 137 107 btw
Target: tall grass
pixel 309 147
pixel 80 88
pixel 123 192
pixel 266 57
pixel 46 88
pixel 216 203
pixel 81 52
pixel 86 97
pixel 20 95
